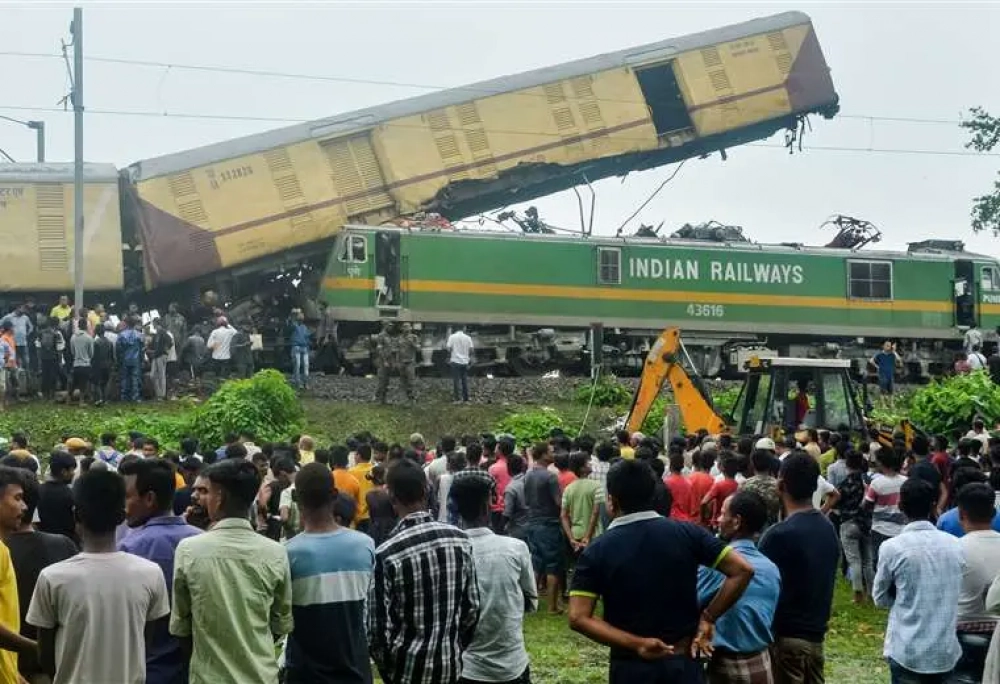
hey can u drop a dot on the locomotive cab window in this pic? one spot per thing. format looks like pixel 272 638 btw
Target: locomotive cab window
pixel 355 249
pixel 869 279
pixel 990 280
pixel 609 266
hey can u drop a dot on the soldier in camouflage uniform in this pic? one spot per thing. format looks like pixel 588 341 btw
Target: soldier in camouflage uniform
pixel 410 345
pixel 390 354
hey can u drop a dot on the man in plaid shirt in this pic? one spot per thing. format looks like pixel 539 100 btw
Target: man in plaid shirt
pixel 423 605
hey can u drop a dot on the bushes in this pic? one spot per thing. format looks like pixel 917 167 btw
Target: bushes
pixel 529 427
pixel 607 392
pixel 265 404
pixel 952 403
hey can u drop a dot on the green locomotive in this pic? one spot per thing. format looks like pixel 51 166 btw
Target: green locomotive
pixel 533 300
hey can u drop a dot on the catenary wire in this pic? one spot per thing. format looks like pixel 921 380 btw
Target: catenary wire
pixel 288 120
pixel 264 73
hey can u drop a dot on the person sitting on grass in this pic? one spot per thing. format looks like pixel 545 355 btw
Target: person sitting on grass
pixel 645 569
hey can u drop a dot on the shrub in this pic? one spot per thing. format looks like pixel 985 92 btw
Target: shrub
pixel 653 425
pixel 264 403
pixel 529 427
pixel 954 402
pixel 724 399
pixel 606 392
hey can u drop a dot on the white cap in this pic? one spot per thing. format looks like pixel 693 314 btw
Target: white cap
pixel 765 444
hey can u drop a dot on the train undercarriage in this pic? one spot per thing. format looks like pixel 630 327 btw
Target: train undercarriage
pixel 520 351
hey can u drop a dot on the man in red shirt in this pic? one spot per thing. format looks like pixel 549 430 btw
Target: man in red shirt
pixel 701 482
pixel 498 471
pixel 682 507
pixel 939 457
pixel 722 489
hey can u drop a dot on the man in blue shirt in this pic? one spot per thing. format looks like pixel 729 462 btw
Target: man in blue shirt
pixel 645 568
pixel 743 634
pixel 919 579
pixel 885 361
pixel 156 532
pixel 949 522
pixel 331 570
pixel 298 340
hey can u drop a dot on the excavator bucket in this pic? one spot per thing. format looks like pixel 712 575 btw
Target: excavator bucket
pixel 887 433
pixel 663 364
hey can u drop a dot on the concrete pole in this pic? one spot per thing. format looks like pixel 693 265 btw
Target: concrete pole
pixel 39 128
pixel 77 30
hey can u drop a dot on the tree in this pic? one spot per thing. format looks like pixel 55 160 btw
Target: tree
pixel 985 131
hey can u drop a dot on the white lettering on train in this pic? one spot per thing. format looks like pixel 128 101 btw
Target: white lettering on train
pixel 718 271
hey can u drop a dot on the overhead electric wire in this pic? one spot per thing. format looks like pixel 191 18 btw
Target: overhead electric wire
pixel 495 131
pixel 9 158
pixel 650 198
pixel 264 73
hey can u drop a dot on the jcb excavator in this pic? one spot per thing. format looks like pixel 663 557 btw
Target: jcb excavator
pixel 779 395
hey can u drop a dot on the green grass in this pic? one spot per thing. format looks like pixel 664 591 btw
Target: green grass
pixel 853 647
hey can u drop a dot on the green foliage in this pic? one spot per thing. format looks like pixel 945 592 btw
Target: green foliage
pixel 952 403
pixel 607 392
pixel 653 425
pixel 530 426
pixel 264 403
pixel 985 136
pixel 724 399
pixel 168 429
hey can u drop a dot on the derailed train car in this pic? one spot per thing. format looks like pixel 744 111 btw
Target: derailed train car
pixel 533 298
pixel 258 215
pixel 218 216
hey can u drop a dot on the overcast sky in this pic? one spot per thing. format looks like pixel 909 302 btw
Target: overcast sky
pixel 908 60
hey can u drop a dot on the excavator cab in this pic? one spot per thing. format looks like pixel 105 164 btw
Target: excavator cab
pixel 782 395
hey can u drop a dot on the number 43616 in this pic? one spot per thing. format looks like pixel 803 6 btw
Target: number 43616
pixel 706 310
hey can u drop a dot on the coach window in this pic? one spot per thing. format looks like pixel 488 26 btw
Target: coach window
pixel 989 280
pixel 869 279
pixel 355 249
pixel 609 266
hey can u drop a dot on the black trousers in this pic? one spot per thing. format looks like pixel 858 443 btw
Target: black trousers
pixel 525 678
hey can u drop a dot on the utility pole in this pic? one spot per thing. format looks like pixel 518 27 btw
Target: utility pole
pixel 39 128
pixel 76 29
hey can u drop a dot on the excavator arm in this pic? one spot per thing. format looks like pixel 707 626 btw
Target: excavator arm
pixel 663 364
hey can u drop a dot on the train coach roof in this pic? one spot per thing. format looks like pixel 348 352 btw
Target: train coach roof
pixel 372 116
pixel 56 173
pixel 749 247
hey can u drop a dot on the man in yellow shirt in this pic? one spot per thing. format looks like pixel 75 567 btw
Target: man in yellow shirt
pixel 62 310
pixel 12 507
pixel 365 485
pixel 625 449
pixel 307 450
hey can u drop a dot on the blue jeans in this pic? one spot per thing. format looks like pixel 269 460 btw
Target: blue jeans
pixel 460 381
pixel 131 382
pixel 300 366
pixel 900 675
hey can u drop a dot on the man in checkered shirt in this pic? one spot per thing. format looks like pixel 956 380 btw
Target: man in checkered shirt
pixel 919 579
pixel 423 605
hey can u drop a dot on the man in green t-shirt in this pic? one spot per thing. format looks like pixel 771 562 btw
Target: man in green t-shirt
pixel 581 504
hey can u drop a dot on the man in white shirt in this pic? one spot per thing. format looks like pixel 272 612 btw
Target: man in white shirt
pixel 506 587
pixel 981 546
pixel 976 359
pixel 979 433
pixel 80 601
pixel 219 342
pixel 460 345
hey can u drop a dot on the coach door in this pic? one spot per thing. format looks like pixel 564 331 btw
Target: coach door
pixel 966 312
pixel 387 270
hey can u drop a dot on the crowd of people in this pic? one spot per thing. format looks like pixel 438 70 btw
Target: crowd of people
pixel 90 355
pixel 712 558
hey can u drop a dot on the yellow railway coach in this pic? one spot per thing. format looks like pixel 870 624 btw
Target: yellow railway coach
pixel 284 193
pixel 36 228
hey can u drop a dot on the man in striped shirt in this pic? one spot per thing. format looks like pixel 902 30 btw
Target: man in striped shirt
pixel 331 569
pixel 423 604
